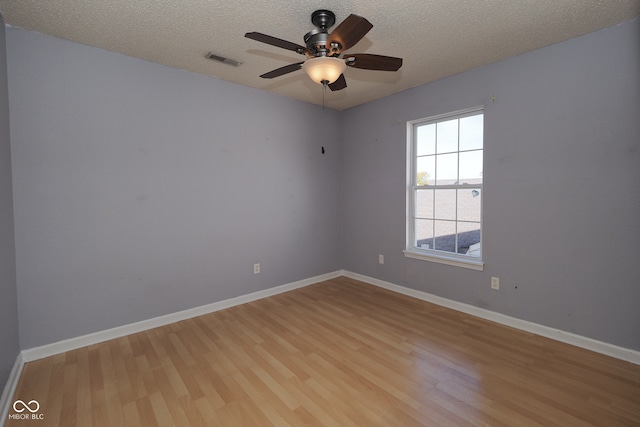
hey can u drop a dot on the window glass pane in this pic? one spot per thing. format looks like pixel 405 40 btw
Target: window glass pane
pixel 445 236
pixel 445 204
pixel 469 238
pixel 471 167
pixel 469 204
pixel 471 132
pixel 424 204
pixel 447 169
pixel 425 170
pixel 446 189
pixel 426 140
pixel 447 136
pixel 424 234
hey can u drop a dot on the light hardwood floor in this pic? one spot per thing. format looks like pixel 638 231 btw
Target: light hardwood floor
pixel 338 353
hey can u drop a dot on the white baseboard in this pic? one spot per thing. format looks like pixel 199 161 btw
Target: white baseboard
pixel 132 328
pixel 10 388
pixel 621 353
pixel 36 353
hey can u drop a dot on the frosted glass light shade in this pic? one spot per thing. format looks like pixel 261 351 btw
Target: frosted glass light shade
pixel 324 68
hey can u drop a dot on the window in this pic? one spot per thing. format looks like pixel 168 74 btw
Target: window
pixel 444 191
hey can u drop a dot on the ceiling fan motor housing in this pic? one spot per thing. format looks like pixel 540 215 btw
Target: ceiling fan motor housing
pixel 316 39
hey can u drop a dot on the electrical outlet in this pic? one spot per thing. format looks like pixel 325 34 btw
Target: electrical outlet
pixel 495 283
pixel 256 268
pixel 380 259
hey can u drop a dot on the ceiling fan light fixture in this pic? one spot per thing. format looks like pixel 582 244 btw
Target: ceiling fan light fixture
pixel 324 48
pixel 324 69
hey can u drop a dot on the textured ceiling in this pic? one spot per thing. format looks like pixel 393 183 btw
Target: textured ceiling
pixel 436 38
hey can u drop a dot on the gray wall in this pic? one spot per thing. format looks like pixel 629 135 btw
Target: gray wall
pixel 142 190
pixel 9 343
pixel 562 184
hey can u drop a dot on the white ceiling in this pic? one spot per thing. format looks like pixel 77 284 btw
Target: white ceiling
pixel 436 38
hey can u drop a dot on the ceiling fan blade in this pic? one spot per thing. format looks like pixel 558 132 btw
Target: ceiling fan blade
pixel 368 61
pixel 339 84
pixel 348 33
pixel 274 41
pixel 282 70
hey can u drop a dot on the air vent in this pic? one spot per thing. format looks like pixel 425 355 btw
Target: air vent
pixel 214 57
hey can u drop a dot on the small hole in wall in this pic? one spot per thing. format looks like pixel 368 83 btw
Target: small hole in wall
pixel 322 150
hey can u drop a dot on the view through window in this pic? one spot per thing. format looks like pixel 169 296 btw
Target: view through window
pixel 445 190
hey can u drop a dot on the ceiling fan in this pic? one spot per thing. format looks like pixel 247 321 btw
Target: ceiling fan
pixel 323 49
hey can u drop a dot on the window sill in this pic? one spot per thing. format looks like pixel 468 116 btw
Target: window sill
pixel 443 259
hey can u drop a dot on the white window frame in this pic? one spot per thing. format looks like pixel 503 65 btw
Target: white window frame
pixel 411 251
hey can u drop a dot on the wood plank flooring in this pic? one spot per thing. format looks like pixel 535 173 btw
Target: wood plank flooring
pixel 338 353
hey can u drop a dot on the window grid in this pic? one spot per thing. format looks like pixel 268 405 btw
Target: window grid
pixel 435 217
